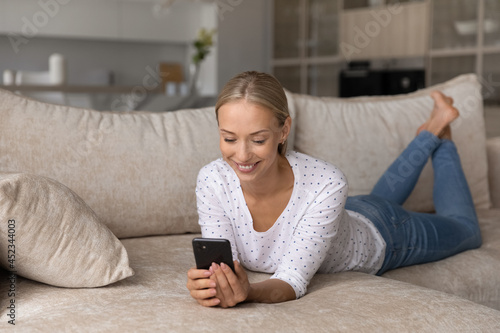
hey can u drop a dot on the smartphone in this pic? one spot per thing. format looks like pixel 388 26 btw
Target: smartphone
pixel 209 250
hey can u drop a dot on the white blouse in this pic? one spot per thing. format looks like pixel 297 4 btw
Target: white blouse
pixel 313 234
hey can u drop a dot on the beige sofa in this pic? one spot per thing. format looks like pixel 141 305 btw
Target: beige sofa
pixel 108 251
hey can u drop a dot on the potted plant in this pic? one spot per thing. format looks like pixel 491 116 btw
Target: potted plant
pixel 202 45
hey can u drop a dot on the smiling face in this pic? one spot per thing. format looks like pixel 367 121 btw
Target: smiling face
pixel 249 139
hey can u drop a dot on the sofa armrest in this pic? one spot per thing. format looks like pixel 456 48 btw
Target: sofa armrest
pixel 493 149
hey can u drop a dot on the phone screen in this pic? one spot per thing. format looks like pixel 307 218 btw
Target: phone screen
pixel 210 250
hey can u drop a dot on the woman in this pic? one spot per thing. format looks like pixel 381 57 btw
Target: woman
pixel 289 214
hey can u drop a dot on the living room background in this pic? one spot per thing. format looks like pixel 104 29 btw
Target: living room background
pixel 305 43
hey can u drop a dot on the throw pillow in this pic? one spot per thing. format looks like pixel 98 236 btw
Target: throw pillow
pixel 363 135
pixel 49 234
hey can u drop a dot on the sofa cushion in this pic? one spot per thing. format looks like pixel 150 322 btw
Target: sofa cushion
pixel 49 234
pixel 363 135
pixel 471 274
pixel 156 299
pixel 136 170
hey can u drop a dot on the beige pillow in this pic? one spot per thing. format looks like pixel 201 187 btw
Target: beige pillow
pixel 49 234
pixel 362 136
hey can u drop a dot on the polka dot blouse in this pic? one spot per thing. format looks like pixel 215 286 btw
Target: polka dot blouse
pixel 313 234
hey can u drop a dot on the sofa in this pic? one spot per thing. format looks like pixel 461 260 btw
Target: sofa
pixel 98 210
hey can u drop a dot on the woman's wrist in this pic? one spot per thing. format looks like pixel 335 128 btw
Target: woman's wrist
pixel 270 291
pixel 252 293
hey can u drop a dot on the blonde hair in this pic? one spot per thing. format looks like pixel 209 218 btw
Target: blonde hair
pixel 258 88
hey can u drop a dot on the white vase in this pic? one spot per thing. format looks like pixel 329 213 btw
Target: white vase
pixel 194 70
pixel 9 77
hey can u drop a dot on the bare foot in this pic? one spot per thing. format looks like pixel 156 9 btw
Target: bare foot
pixel 446 133
pixel 441 116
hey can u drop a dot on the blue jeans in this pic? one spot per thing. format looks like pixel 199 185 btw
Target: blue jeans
pixel 416 238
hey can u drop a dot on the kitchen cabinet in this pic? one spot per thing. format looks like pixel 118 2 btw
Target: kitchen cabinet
pixel 287 29
pixel 391 31
pixel 320 82
pixel 306 43
pixel 322 17
pixel 314 39
pixel 289 76
pixel 491 78
pixel 466 39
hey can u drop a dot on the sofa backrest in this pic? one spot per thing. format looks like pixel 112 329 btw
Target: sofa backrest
pixel 136 170
pixel 362 136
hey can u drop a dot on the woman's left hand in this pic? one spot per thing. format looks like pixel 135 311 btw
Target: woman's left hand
pixel 232 287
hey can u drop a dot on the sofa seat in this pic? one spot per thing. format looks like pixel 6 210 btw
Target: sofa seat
pixel 464 274
pixel 137 172
pixel 156 298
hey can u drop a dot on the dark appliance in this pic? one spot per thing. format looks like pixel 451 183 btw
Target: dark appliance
pixel 366 82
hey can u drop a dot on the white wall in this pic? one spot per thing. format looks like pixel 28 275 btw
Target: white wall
pixel 243 39
pixel 123 36
pixel 100 19
pixel 209 71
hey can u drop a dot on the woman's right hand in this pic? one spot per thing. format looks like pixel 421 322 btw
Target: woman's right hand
pixel 201 287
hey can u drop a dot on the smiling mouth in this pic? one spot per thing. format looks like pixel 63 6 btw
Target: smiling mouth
pixel 246 167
